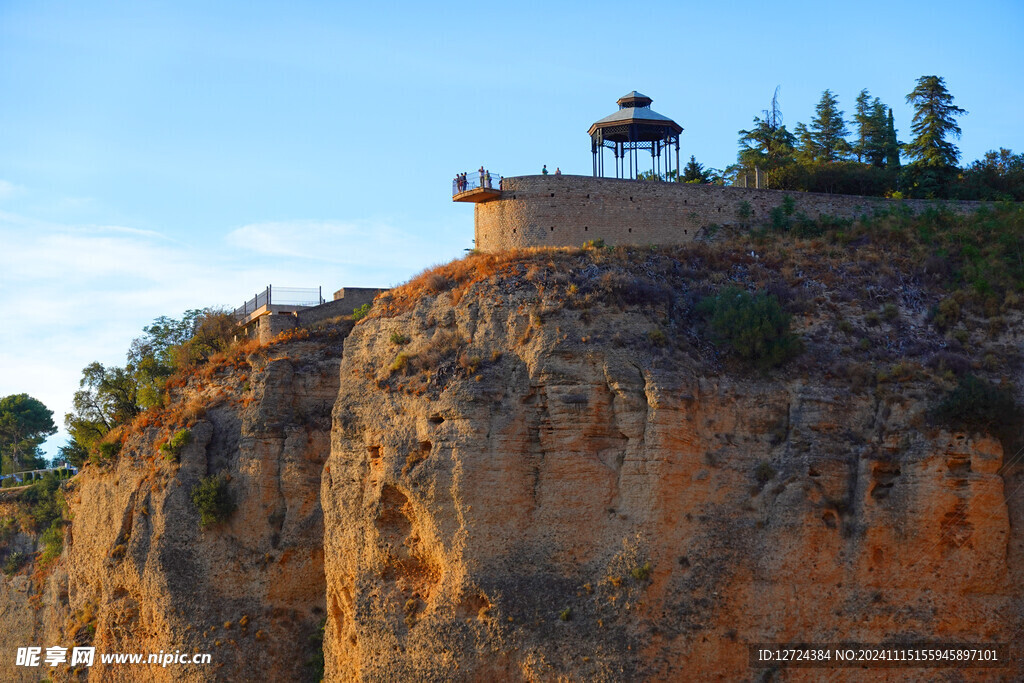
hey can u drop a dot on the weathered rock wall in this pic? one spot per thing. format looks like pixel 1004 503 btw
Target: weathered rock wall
pixel 561 499
pixel 566 211
pixel 139 575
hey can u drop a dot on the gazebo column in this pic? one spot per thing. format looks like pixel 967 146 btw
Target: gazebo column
pixel 679 171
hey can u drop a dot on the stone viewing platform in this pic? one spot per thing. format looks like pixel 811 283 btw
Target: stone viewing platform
pixel 567 210
pixel 481 186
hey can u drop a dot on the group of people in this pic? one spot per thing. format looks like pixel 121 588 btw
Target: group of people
pixel 461 184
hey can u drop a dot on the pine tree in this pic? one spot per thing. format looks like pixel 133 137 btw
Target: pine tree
pixel 934 120
pixel 876 144
pixel 869 119
pixel 828 130
pixel 862 120
pixel 805 147
pixel 694 171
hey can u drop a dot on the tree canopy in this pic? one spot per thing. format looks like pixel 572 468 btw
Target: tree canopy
pixel 826 136
pixel 934 121
pixel 111 396
pixel 24 425
pixel 694 172
pixel 818 157
pixel 767 145
pixel 871 124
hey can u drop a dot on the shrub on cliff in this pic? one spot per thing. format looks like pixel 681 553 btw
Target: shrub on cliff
pixel 360 313
pixel 14 562
pixel 213 500
pixel 106 451
pixel 977 405
pixel 46 501
pixel 52 541
pixel 172 449
pixel 8 528
pixel 753 326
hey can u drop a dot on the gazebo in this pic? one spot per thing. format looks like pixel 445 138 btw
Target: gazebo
pixel 633 127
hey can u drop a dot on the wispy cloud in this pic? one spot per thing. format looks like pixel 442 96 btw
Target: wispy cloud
pixel 72 294
pixel 9 189
pixel 337 242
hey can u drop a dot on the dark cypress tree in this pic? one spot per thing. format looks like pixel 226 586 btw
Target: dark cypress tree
pixel 892 145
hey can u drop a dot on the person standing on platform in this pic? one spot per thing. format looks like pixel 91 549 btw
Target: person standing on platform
pixel 544 171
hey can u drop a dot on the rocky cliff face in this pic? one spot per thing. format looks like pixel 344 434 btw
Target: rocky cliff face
pixel 538 468
pixel 139 575
pixel 541 489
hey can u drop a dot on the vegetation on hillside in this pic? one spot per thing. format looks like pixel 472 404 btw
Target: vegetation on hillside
pixel 36 518
pixel 110 397
pixel 166 387
pixel 753 326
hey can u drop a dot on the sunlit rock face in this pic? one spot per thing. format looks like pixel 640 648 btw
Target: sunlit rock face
pixel 539 492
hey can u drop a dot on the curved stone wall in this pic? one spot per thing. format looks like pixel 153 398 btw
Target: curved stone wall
pixel 566 211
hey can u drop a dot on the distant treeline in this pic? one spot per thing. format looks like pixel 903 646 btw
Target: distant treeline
pixel 826 155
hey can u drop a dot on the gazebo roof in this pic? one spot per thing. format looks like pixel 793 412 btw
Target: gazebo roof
pixel 634 99
pixel 635 109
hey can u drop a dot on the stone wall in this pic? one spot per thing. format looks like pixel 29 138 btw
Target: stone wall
pixel 269 326
pixel 566 211
pixel 345 301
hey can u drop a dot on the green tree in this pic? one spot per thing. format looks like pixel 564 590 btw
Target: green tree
pixel 934 120
pixel 694 172
pixel 827 132
pixel 877 147
pixel 151 356
pixel 870 123
pixel 111 396
pixel 978 405
pixel 862 121
pixel 805 149
pixel 996 176
pixel 107 397
pixel 768 145
pixel 214 331
pixel 73 453
pixel 24 425
pixel 892 144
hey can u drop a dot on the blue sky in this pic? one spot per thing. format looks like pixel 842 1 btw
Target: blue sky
pixel 160 156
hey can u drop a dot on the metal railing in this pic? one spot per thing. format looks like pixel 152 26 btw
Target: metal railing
pixel 281 296
pixel 32 475
pixel 471 181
